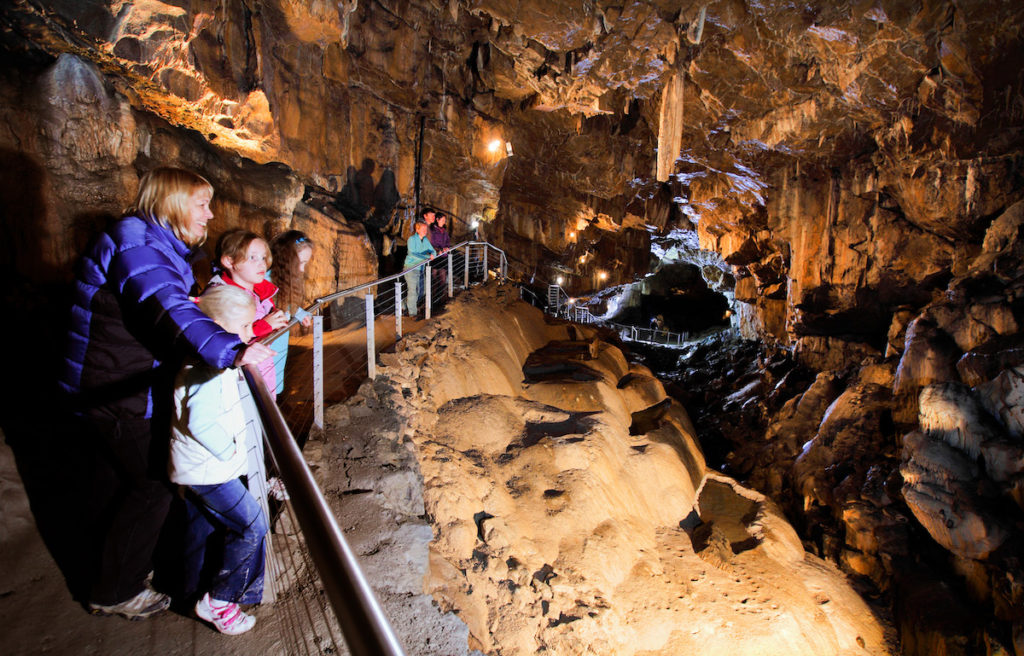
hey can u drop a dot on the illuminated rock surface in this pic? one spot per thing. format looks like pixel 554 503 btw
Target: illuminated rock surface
pixel 558 527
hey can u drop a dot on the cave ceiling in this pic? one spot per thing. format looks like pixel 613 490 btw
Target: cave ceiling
pixel 581 90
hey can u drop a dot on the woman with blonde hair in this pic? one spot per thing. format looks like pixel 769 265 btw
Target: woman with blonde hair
pixel 132 322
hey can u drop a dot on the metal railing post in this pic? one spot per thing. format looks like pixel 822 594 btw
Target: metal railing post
pixel 398 308
pixel 318 371
pixel 371 342
pixel 426 291
pixel 451 283
pixel 465 272
pixel 485 264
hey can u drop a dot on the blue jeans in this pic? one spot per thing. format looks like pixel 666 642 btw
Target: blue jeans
pixel 231 507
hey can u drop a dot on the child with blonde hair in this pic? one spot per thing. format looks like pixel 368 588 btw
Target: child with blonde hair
pixel 208 455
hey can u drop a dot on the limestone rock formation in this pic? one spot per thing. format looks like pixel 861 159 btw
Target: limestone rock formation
pixel 938 487
pixel 567 514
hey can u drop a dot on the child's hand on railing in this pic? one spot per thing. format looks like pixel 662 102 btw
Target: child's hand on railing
pixel 277 319
pixel 305 318
pixel 254 353
pixel 276 489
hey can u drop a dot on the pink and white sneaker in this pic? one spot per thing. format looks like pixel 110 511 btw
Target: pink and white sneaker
pixel 226 616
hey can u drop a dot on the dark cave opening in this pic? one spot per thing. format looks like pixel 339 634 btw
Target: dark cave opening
pixel 676 299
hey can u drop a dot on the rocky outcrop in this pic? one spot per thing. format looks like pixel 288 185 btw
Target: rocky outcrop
pixel 569 502
pixel 907 469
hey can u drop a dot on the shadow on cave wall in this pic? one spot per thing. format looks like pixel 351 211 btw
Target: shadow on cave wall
pixel 377 205
pixel 51 454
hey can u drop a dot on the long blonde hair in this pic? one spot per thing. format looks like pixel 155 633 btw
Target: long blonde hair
pixel 163 197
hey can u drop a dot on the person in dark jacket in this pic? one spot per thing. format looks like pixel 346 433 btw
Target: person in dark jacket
pixel 132 320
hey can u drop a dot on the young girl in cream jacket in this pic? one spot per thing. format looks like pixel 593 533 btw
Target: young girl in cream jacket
pixel 208 455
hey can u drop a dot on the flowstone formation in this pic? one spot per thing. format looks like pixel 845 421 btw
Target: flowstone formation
pixel 570 508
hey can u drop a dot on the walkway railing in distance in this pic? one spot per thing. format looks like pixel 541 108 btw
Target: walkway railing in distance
pixel 365 628
pixel 464 265
pixel 560 304
pixel 351 326
pixel 529 296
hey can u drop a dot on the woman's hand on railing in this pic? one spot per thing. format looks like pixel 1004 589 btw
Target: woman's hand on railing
pixel 254 354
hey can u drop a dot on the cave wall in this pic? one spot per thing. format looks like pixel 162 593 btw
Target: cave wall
pixel 266 101
pixel 837 253
pixel 74 150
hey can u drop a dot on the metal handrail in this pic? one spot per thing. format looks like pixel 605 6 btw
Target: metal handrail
pixel 323 300
pixel 317 304
pixel 366 629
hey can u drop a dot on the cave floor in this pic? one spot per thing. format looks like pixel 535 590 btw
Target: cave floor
pixel 39 615
pixel 344 366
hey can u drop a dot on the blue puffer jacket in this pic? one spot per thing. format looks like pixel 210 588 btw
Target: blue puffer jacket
pixel 131 311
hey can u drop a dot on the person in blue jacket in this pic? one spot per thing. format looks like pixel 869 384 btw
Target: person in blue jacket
pixel 419 250
pixel 132 321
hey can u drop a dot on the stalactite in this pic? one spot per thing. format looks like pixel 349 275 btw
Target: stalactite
pixel 670 125
pixel 347 8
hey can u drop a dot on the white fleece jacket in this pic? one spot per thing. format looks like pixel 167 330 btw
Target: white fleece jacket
pixel 208 431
